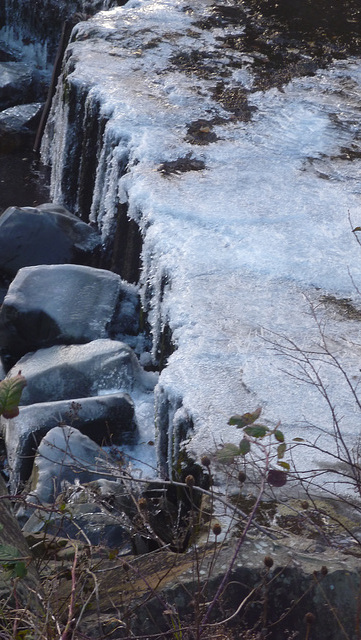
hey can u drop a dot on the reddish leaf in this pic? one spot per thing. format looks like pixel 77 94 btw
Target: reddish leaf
pixel 277 478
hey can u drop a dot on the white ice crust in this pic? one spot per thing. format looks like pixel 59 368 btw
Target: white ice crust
pixel 257 242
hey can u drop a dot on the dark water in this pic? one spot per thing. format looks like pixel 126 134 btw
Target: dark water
pixel 24 182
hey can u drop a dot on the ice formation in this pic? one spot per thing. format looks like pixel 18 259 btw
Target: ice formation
pixel 255 247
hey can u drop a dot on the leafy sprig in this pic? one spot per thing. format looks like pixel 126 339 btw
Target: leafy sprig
pixel 254 432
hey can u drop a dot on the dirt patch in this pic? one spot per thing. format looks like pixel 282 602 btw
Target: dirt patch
pixel 200 131
pixel 343 306
pixel 288 38
pixel 204 65
pixel 348 153
pixel 181 165
pixel 234 99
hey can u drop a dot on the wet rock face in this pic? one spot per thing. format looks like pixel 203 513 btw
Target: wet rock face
pixel 42 20
pixel 325 18
pixel 48 234
pixel 16 83
pixel 290 38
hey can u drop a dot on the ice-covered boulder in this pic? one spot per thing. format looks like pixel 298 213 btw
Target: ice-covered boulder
pixel 15 83
pixel 105 419
pixel 47 234
pixel 65 372
pixel 18 126
pixel 70 468
pixel 64 304
pixel 67 456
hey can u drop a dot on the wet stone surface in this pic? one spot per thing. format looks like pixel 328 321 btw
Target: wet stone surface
pixel 23 181
pixel 288 39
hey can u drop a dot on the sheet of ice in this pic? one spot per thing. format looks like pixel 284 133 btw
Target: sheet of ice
pixel 248 245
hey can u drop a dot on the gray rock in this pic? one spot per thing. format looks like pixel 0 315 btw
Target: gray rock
pixel 105 419
pixel 74 371
pixel 18 126
pixel 15 83
pixel 47 234
pixel 66 456
pixel 63 304
pixel 87 516
pixel 85 522
pixel 275 599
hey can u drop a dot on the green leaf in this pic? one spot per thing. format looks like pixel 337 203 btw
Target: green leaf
pixel 281 449
pixel 256 431
pixel 8 553
pixel 244 446
pixel 9 560
pixel 285 465
pixel 227 454
pixel 20 570
pixel 10 394
pixel 298 439
pixel 245 419
pixel 279 435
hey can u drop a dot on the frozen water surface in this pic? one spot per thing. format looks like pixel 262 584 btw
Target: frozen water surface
pixel 259 241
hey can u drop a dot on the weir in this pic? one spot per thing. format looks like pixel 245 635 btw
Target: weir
pixel 246 233
pixel 235 243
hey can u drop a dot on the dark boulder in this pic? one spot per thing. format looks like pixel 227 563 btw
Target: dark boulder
pixel 47 234
pixel 18 126
pixel 107 419
pixel 69 469
pixel 64 304
pixel 16 81
pixel 7 54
